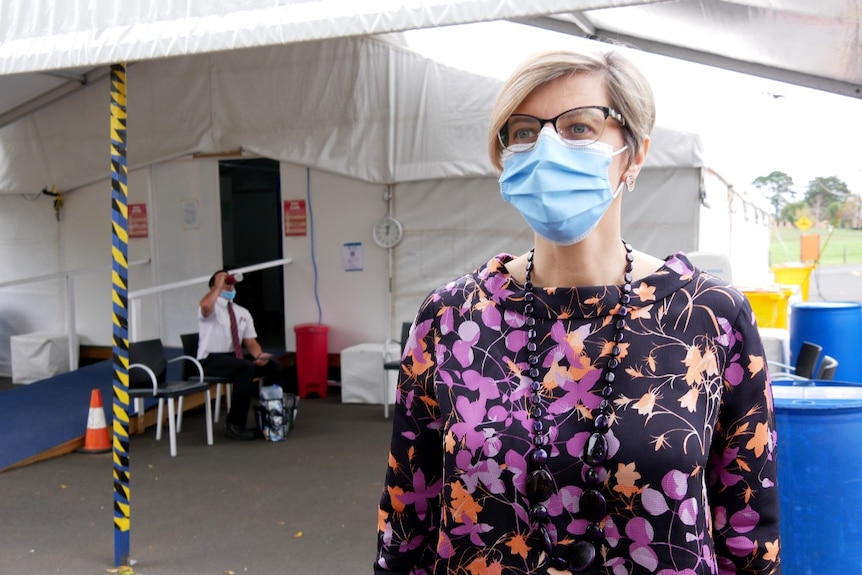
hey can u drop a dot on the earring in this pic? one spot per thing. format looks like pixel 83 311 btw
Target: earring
pixel 630 182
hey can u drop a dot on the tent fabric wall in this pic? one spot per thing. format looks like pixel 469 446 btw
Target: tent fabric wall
pixel 359 107
pixel 345 119
pixel 49 35
pixel 451 227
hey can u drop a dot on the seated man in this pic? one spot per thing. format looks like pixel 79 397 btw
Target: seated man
pixel 224 328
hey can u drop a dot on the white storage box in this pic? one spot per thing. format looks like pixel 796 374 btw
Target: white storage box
pixel 362 373
pixel 40 355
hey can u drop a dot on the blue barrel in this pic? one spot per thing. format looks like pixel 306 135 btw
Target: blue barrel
pixel 819 477
pixel 836 327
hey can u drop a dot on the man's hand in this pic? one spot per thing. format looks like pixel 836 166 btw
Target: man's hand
pixel 262 358
pixel 220 280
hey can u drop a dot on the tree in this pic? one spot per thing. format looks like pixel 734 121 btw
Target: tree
pixel 778 189
pixel 825 191
pixel 793 211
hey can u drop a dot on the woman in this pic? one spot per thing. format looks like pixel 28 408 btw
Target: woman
pixel 583 407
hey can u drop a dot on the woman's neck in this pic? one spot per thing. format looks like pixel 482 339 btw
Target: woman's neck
pixel 594 261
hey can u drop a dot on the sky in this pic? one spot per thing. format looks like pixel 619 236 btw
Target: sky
pixel 749 126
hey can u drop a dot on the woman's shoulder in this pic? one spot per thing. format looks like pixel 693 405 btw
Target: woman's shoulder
pixel 488 275
pixel 678 273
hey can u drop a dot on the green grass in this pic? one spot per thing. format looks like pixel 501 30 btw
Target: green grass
pixel 837 247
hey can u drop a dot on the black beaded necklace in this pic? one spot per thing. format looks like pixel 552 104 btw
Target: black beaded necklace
pixel 540 483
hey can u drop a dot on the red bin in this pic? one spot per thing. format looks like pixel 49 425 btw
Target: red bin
pixel 312 359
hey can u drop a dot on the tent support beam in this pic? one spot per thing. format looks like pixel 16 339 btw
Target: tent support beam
pixel 706 58
pixel 54 95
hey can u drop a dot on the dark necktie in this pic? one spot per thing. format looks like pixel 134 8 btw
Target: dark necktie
pixel 234 331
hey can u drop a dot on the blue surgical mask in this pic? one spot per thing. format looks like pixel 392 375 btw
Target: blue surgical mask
pixel 228 295
pixel 560 189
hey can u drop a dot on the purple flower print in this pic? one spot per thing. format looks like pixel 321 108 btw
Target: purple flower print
pixel 744 520
pixel 421 493
pixel 473 413
pixel 487 472
pixel 654 502
pixel 640 531
pixel 486 386
pixel 463 348
pixel 679 266
pixel 496 288
pixel 474 529
pixel 577 392
pixel 516 340
pixel 491 317
pixel 674 484
pixel 719 471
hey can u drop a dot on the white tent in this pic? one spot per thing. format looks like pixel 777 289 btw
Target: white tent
pixel 351 120
pixel 347 119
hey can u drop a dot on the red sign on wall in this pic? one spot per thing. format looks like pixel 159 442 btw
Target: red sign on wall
pixel 137 220
pixel 295 218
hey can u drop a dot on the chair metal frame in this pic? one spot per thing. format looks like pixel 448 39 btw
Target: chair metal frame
pixel 827 368
pixel 154 365
pixel 190 348
pixel 393 365
pixel 806 362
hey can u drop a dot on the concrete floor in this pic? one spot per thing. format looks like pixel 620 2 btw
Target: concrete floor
pixel 303 506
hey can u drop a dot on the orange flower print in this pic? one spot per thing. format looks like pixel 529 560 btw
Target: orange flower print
pixel 645 292
pixel 755 364
pixel 463 504
pixel 395 494
pixel 479 566
pixel 626 478
pixel 698 364
pixel 759 440
pixel 646 404
pixel 772 548
pixel 641 312
pixel 518 545
pixel 689 400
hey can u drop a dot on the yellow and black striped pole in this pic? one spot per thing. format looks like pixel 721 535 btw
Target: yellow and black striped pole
pixel 119 294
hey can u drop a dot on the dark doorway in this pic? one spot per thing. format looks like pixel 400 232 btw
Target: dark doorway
pixel 251 234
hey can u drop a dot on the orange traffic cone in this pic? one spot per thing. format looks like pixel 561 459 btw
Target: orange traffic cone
pixel 96 440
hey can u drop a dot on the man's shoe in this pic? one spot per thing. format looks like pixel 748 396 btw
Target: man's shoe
pixel 233 431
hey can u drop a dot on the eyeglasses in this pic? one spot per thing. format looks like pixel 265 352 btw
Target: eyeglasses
pixel 579 127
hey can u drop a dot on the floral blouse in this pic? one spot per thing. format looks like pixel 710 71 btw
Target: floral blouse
pixel 691 483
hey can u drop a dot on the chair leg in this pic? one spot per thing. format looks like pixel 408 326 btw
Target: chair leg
pixel 209 416
pixel 385 394
pixel 161 416
pixel 172 427
pixel 228 389
pixel 139 411
pixel 217 402
pixel 180 414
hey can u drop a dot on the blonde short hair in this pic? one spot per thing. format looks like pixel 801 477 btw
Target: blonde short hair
pixel 629 91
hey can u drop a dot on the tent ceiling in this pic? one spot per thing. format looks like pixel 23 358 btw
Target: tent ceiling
pixel 50 48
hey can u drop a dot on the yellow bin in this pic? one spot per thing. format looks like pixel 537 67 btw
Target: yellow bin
pixel 794 274
pixel 770 306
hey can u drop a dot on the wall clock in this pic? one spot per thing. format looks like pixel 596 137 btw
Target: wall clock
pixel 387 232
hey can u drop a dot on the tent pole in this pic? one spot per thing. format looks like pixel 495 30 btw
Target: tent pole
pixel 120 292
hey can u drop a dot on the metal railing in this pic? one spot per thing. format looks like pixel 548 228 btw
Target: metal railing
pixel 68 278
pixel 135 296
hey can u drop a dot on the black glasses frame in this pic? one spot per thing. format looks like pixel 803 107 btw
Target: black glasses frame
pixel 608 113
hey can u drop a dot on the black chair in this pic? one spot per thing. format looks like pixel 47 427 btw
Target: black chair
pixel 806 362
pixel 393 365
pixel 827 368
pixel 147 378
pixel 190 347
